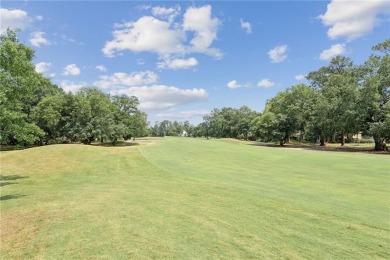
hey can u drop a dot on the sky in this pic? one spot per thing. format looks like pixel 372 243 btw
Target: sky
pixel 182 59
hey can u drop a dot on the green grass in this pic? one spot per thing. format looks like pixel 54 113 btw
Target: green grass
pixel 192 198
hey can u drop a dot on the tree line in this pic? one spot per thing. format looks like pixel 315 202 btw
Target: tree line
pixel 35 111
pixel 342 99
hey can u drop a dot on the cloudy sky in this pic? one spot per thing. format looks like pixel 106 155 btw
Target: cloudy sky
pixel 182 59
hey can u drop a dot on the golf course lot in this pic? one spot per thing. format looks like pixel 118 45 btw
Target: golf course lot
pixel 181 198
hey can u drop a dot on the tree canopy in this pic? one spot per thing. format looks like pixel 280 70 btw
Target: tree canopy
pixel 35 111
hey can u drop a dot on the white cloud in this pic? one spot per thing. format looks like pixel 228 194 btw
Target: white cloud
pixel 168 14
pixel 183 115
pixel 120 80
pixel 146 34
pixel 278 54
pixel 300 77
pixel 199 21
pixel 265 83
pixel 39 17
pixel 165 37
pixel 334 50
pixel 234 84
pixel 101 68
pixel 352 19
pixel 162 97
pixel 13 19
pixel 42 67
pixel 38 38
pixel 246 26
pixel 70 86
pixel 176 64
pixel 71 70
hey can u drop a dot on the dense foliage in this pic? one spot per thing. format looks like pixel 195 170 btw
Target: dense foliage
pixel 227 123
pixel 35 111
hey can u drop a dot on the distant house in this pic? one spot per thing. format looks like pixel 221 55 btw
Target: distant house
pixel 184 133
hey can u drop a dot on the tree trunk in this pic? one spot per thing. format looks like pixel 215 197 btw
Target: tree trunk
pixel 342 139
pixel 322 141
pixel 379 144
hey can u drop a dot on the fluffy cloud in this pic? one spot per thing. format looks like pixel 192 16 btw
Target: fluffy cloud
pixel 265 83
pixel 120 80
pixel 42 67
pixel 152 96
pixel 38 38
pixel 70 86
pixel 199 21
pixel 246 26
pixel 146 34
pixel 176 64
pixel 300 77
pixel 161 97
pixel 165 37
pixel 71 70
pixel 101 68
pixel 183 115
pixel 234 84
pixel 353 19
pixel 13 19
pixel 278 54
pixel 334 50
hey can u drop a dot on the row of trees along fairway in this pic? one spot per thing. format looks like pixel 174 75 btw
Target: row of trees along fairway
pixel 35 111
pixel 342 99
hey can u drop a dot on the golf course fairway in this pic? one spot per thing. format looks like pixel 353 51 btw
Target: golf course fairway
pixel 186 198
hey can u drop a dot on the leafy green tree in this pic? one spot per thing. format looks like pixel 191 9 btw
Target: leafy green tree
pixel 21 89
pixel 50 115
pixel 229 122
pixel 288 112
pixel 375 95
pixel 338 85
pixel 272 127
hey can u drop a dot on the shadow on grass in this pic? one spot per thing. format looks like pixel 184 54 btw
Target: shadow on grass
pixel 11 197
pixel 315 147
pixel 11 177
pixel 2 184
pixel 118 144
pixel 5 181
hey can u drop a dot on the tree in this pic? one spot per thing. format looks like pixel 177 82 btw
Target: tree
pixel 50 115
pixel 21 89
pixel 288 112
pixel 375 95
pixel 338 85
pixel 271 127
pixel 228 122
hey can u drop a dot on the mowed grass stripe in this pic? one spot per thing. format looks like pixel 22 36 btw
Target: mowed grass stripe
pixel 192 198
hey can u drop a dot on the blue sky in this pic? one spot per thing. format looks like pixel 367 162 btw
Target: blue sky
pixel 182 59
